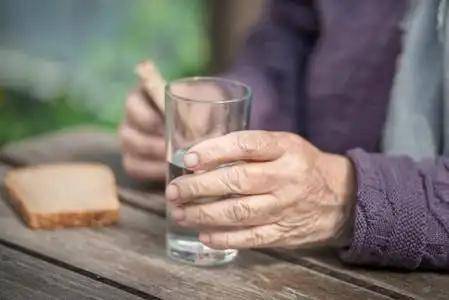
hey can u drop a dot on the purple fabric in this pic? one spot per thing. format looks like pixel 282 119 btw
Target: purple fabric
pixel 350 73
pixel 324 69
pixel 402 212
pixel 273 63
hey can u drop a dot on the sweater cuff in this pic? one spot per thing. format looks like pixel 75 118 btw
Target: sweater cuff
pixel 390 223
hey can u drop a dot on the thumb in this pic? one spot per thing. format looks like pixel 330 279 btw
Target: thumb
pixel 152 82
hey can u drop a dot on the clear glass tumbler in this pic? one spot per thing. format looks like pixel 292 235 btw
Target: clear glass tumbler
pixel 197 109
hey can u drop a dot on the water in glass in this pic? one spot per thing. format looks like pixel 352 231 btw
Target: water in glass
pixel 183 243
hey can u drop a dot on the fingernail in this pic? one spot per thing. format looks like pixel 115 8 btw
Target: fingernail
pixel 178 214
pixel 172 192
pixel 204 238
pixel 191 160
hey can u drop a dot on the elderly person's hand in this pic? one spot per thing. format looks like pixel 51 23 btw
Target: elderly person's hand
pixel 141 132
pixel 278 191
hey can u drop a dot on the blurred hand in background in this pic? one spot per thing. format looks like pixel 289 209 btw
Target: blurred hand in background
pixel 142 131
pixel 142 138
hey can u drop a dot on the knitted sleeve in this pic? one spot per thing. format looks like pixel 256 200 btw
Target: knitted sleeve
pixel 402 212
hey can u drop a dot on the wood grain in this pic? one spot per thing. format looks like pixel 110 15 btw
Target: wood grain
pixel 416 284
pixel 25 277
pixel 133 254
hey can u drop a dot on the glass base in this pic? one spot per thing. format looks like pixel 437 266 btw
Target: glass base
pixel 192 251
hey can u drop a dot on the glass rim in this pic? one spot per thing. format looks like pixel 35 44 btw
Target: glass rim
pixel 245 97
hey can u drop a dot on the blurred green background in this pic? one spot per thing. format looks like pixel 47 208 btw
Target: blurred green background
pixel 71 61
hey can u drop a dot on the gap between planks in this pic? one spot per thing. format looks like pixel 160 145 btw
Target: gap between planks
pixel 321 269
pixel 78 270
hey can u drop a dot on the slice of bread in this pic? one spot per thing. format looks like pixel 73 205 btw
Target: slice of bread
pixel 64 195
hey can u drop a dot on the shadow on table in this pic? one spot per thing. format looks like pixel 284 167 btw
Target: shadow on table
pixel 113 160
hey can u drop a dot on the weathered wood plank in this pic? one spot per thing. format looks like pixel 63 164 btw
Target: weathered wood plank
pixel 417 284
pixel 25 277
pixel 133 254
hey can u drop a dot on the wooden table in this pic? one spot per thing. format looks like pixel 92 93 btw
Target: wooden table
pixel 128 261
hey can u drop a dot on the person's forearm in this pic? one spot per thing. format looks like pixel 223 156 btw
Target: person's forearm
pixel 401 214
pixel 272 62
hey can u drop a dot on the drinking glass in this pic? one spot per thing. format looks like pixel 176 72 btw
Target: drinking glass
pixel 196 109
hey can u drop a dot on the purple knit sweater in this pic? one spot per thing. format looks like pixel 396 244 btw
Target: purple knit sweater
pixel 324 69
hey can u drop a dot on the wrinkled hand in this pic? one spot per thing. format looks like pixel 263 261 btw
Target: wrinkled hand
pixel 279 191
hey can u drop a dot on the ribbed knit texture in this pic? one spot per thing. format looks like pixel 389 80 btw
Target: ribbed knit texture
pixel 402 213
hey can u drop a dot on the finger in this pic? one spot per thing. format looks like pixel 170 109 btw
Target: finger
pixel 152 82
pixel 139 144
pixel 234 212
pixel 243 179
pixel 254 145
pixel 144 169
pixel 252 237
pixel 141 115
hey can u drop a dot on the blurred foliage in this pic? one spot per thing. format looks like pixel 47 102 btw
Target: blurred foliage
pixel 21 117
pixel 170 32
pixel 174 36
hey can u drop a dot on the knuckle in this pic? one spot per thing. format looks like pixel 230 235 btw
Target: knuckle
pixel 192 187
pixel 237 179
pixel 129 166
pixel 239 212
pixel 203 216
pixel 129 141
pixel 277 204
pixel 268 178
pixel 256 238
pixel 252 143
pixel 248 143
pixel 132 141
